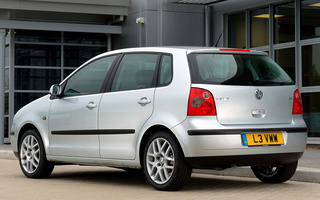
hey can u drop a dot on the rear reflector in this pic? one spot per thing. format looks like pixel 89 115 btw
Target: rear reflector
pixel 297 103
pixel 201 102
pixel 243 50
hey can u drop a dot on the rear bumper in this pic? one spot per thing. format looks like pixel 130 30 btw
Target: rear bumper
pixel 243 160
pixel 208 144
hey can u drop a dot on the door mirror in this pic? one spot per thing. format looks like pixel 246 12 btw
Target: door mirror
pixel 55 90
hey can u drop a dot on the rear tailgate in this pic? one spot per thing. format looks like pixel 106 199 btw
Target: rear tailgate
pixel 252 104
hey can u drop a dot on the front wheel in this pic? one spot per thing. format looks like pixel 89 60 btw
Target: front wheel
pixel 32 156
pixel 164 163
pixel 275 174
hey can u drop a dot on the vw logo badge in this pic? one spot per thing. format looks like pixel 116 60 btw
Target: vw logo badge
pixel 259 94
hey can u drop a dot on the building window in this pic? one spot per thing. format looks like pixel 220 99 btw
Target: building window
pixel 6 103
pixel 85 38
pixel 259 30
pixel 310 23
pixel 21 99
pixel 237 30
pixel 286 59
pixel 43 58
pixel 74 56
pixel 37 36
pixel 284 23
pixel 311 113
pixel 311 65
pixel 37 55
pixel 36 79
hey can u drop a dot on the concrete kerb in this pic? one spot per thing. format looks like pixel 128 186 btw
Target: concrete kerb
pixel 303 174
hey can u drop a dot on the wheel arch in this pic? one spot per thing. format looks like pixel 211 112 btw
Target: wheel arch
pixel 27 127
pixel 148 133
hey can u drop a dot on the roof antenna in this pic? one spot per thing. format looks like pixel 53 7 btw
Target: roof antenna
pixel 215 45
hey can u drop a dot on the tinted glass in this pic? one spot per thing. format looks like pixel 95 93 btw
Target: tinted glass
pixel 36 79
pixel 136 71
pixel 90 78
pixel 6 103
pixel 237 30
pixel 37 36
pixel 37 55
pixel 74 56
pixel 6 127
pixel 85 38
pixel 259 27
pixel 286 59
pixel 310 23
pixel 284 23
pixel 227 69
pixel 165 76
pixel 311 65
pixel 311 113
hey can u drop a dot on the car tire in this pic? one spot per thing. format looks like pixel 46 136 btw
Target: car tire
pixel 32 156
pixel 164 163
pixel 272 174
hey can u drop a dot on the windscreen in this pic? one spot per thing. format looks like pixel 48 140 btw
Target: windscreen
pixel 236 69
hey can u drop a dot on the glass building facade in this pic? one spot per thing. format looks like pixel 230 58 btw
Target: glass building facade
pixel 290 33
pixel 35 60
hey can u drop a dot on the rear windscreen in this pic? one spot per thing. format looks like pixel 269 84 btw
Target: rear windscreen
pixel 231 69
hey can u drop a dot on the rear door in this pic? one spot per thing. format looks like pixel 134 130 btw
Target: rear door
pixel 127 106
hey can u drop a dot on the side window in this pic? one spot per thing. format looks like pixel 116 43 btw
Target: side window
pixel 90 78
pixel 135 71
pixel 165 73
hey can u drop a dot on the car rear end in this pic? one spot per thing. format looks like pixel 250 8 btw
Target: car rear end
pixel 244 110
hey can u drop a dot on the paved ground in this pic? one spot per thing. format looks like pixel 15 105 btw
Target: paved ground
pixel 78 182
pixel 308 168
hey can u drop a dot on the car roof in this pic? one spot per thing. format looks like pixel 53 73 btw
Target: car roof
pixel 186 49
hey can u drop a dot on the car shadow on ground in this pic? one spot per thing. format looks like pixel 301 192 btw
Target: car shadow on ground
pixel 137 179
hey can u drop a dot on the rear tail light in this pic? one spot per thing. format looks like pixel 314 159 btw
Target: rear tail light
pixel 297 103
pixel 201 102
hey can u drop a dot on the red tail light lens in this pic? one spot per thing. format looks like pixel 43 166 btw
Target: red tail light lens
pixel 244 50
pixel 297 103
pixel 201 102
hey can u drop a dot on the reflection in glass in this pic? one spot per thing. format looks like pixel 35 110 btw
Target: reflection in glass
pixel 22 99
pixel 85 38
pixel 311 113
pixel 36 79
pixel 310 23
pixel 37 55
pixel 259 19
pixel 284 25
pixel 74 56
pixel 6 127
pixel 311 65
pixel 37 36
pixel 286 59
pixel 6 103
pixel 237 30
pixel 67 72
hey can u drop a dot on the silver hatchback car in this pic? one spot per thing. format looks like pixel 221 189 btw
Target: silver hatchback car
pixel 167 110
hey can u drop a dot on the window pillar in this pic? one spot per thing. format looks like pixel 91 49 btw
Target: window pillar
pixel 2 86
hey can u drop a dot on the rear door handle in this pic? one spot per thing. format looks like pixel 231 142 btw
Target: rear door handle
pixel 144 100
